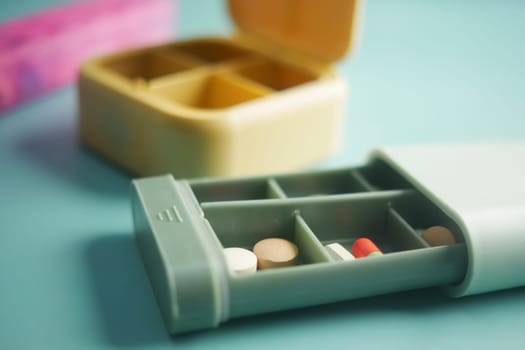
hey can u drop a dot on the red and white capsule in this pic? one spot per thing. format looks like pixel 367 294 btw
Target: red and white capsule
pixel 364 247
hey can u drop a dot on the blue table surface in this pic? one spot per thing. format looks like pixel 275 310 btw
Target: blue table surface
pixel 71 276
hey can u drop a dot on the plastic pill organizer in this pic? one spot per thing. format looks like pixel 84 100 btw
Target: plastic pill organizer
pixel 476 191
pixel 242 105
pixel 42 51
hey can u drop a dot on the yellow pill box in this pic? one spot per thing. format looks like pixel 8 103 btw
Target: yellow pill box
pixel 265 99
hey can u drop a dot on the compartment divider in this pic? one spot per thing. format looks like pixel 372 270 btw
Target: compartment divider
pixel 165 81
pixel 239 80
pixel 358 176
pixel 274 190
pixel 306 238
pixel 206 88
pixel 404 233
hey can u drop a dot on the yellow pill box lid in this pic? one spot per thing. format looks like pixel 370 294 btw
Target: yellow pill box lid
pixel 480 186
pixel 323 30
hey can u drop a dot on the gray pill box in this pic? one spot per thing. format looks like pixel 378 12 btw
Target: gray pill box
pixel 476 191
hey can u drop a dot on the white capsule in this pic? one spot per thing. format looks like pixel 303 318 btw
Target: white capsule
pixel 340 251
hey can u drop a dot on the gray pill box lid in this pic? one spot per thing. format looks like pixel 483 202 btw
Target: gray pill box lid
pixel 481 187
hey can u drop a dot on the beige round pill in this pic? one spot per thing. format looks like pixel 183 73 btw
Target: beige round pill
pixel 438 235
pixel 275 252
pixel 240 260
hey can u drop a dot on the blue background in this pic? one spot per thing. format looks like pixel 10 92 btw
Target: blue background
pixel 71 276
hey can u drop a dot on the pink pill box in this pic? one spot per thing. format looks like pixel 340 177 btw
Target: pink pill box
pixel 43 51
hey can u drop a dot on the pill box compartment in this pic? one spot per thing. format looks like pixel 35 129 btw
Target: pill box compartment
pixel 208 91
pixel 330 182
pixel 236 189
pixel 234 226
pixel 207 51
pixel 369 215
pixel 238 212
pixel 147 65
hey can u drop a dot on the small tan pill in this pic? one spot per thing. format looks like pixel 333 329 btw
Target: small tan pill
pixel 240 260
pixel 275 252
pixel 438 235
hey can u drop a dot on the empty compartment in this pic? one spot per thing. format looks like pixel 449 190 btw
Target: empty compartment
pixel 407 236
pixel 381 176
pixel 209 91
pixel 233 190
pixel 146 65
pixel 321 183
pixel 276 75
pixel 212 51
pixel 243 225
pixel 420 213
pixel 364 215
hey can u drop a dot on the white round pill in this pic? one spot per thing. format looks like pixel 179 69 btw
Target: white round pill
pixel 240 260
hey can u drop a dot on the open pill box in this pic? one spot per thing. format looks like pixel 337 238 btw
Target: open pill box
pixel 475 191
pixel 264 100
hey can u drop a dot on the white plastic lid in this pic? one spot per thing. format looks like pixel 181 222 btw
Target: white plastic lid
pixel 482 187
